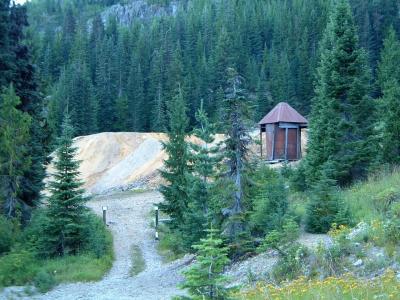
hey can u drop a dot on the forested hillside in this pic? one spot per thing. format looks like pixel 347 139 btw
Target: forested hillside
pixel 116 65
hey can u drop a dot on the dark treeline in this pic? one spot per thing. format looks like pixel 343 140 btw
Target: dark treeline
pixel 23 127
pixel 114 77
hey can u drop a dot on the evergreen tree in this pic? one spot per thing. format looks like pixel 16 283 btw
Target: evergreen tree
pixel 14 153
pixel 270 202
pixel 390 57
pixel 390 122
pixel 389 82
pixel 342 112
pixel 136 104
pixel 106 92
pixel 176 171
pixel 236 114
pixel 158 110
pixel 66 209
pixel 5 53
pixel 324 205
pixel 205 279
pixel 204 161
pixel 24 81
pixel 74 92
pixel 122 113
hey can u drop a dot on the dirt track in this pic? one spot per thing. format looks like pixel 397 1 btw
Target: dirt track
pixel 128 218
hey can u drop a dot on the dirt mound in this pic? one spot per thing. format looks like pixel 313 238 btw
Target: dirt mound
pixel 117 160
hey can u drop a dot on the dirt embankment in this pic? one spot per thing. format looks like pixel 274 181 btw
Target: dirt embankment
pixel 118 160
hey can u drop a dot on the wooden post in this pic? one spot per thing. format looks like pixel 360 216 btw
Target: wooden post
pixel 156 222
pixel 156 216
pixel 298 142
pixel 273 141
pixel 261 142
pixel 286 142
pixel 105 215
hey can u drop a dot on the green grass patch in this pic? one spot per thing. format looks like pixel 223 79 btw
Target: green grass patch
pixel 168 246
pixel 81 268
pixel 138 262
pixel 368 200
pixel 21 267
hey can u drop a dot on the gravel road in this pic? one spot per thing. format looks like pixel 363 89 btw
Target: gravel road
pixel 128 219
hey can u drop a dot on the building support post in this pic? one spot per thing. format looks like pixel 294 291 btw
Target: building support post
pixel 261 142
pixel 286 143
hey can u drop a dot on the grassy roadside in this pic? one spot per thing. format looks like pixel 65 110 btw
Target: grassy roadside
pixel 22 267
pixel 138 262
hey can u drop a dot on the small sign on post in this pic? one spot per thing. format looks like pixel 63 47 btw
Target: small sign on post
pixel 105 215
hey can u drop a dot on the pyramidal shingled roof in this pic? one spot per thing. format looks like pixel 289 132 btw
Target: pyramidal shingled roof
pixel 283 112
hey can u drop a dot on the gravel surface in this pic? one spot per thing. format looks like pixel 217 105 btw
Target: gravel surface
pixel 128 219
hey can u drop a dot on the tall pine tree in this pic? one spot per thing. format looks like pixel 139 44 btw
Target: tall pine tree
pixel 389 82
pixel 14 153
pixel 176 171
pixel 204 160
pixel 342 113
pixel 236 115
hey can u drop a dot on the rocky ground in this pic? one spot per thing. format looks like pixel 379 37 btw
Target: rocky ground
pixel 128 219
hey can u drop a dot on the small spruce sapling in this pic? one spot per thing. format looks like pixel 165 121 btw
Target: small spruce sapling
pixel 325 206
pixel 205 279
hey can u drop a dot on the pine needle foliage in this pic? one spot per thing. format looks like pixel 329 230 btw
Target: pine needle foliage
pixel 236 115
pixel 325 206
pixel 14 159
pixel 389 82
pixel 205 279
pixel 342 114
pixel 204 161
pixel 176 172
pixel 66 211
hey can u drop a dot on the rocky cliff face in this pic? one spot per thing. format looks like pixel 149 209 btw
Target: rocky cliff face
pixel 138 9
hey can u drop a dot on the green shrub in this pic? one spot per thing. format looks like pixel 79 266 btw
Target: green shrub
pixel 384 199
pixel 169 247
pixel 7 234
pixel 95 234
pixel 290 266
pixel 44 281
pixel 27 261
pixel 392 225
pixel 32 236
pixel 326 208
pixel 297 178
pixel 270 201
pixel 17 268
pixel 292 254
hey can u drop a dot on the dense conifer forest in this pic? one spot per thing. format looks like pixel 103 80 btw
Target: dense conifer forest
pixel 118 74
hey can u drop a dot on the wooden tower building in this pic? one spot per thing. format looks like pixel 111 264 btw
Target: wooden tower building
pixel 280 133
